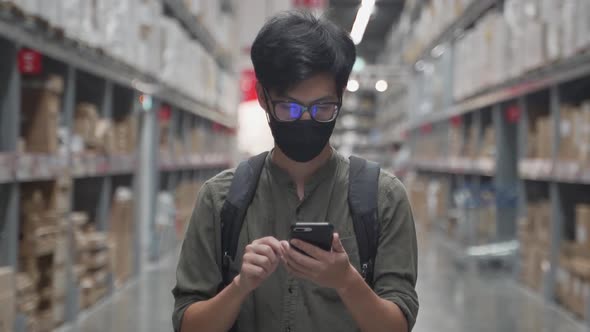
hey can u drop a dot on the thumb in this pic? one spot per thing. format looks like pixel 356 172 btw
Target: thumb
pixel 337 244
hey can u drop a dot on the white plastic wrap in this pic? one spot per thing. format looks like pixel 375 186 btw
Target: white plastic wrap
pixel 30 7
pixel 70 11
pixel 90 31
pixel 50 10
pixel 568 23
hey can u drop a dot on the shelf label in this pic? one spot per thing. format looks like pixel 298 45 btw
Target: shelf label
pixel 30 62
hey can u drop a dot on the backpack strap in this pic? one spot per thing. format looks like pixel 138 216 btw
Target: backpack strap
pixel 363 185
pixel 240 195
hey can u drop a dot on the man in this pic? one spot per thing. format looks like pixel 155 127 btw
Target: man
pixel 302 65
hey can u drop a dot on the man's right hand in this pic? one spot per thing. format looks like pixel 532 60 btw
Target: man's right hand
pixel 260 260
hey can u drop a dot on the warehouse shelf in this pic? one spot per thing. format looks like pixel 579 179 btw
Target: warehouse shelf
pixel 463 166
pixel 471 14
pixel 96 63
pixel 558 171
pixel 198 31
pixel 540 79
pixel 79 141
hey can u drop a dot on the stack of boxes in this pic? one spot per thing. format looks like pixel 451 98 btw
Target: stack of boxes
pixel 27 300
pixel 434 17
pixel 41 105
pixel 528 35
pixel 121 234
pixel 573 280
pixel 185 198
pixel 96 134
pixel 534 233
pixel 7 299
pixel 139 34
pixel 488 144
pixel 456 142
pixel 93 261
pixel 429 198
pixel 574 132
pixel 541 139
pixel 125 135
pixel 486 223
pixel 43 249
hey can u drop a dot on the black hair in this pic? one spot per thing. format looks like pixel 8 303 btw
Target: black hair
pixel 295 45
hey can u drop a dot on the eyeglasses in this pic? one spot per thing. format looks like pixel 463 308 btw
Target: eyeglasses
pixel 289 111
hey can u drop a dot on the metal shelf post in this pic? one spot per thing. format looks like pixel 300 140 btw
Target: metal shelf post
pixel 506 174
pixel 10 82
pixel 73 291
pixel 558 218
pixel 146 183
pixel 106 185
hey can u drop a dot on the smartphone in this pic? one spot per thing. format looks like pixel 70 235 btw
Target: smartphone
pixel 318 234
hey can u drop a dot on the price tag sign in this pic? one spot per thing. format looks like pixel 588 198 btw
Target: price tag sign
pixel 30 62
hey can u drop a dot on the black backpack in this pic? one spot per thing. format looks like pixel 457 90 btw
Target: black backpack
pixel 362 201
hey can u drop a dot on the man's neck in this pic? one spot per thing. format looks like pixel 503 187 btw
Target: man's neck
pixel 300 172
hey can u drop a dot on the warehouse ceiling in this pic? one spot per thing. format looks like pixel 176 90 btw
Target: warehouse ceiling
pixel 387 12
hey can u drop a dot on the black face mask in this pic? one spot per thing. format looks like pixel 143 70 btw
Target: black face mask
pixel 301 140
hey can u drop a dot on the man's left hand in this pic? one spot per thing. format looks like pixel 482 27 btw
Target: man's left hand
pixel 331 269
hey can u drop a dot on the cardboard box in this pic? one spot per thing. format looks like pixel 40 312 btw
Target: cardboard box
pixel 7 311
pixel 85 122
pixel 122 234
pixel 28 303
pixel 24 284
pixel 7 280
pixel 40 108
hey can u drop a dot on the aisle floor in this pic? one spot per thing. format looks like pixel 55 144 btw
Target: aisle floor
pixel 451 300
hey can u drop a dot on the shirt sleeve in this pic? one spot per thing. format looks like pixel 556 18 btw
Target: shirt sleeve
pixel 396 266
pixel 198 274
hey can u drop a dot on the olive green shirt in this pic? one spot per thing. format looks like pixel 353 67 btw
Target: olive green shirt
pixel 283 302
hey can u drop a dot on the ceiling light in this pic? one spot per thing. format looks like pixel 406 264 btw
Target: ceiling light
pixel 381 85
pixel 353 86
pixel 362 19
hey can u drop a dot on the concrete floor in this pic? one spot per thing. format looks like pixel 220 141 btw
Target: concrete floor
pixel 451 300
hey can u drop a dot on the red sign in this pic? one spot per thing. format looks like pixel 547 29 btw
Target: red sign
pixel 248 85
pixel 513 114
pixel 456 121
pixel 30 62
pixel 164 114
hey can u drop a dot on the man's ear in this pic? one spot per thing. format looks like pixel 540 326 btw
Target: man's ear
pixel 261 96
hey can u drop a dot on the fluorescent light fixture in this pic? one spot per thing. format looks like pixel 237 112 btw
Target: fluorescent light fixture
pixel 381 85
pixel 353 86
pixel 362 19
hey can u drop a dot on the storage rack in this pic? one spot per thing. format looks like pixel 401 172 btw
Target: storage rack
pixel 95 177
pixel 508 108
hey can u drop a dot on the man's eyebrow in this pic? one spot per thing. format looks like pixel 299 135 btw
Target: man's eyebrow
pixel 319 100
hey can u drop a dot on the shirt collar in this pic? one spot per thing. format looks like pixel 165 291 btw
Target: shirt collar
pixel 326 171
